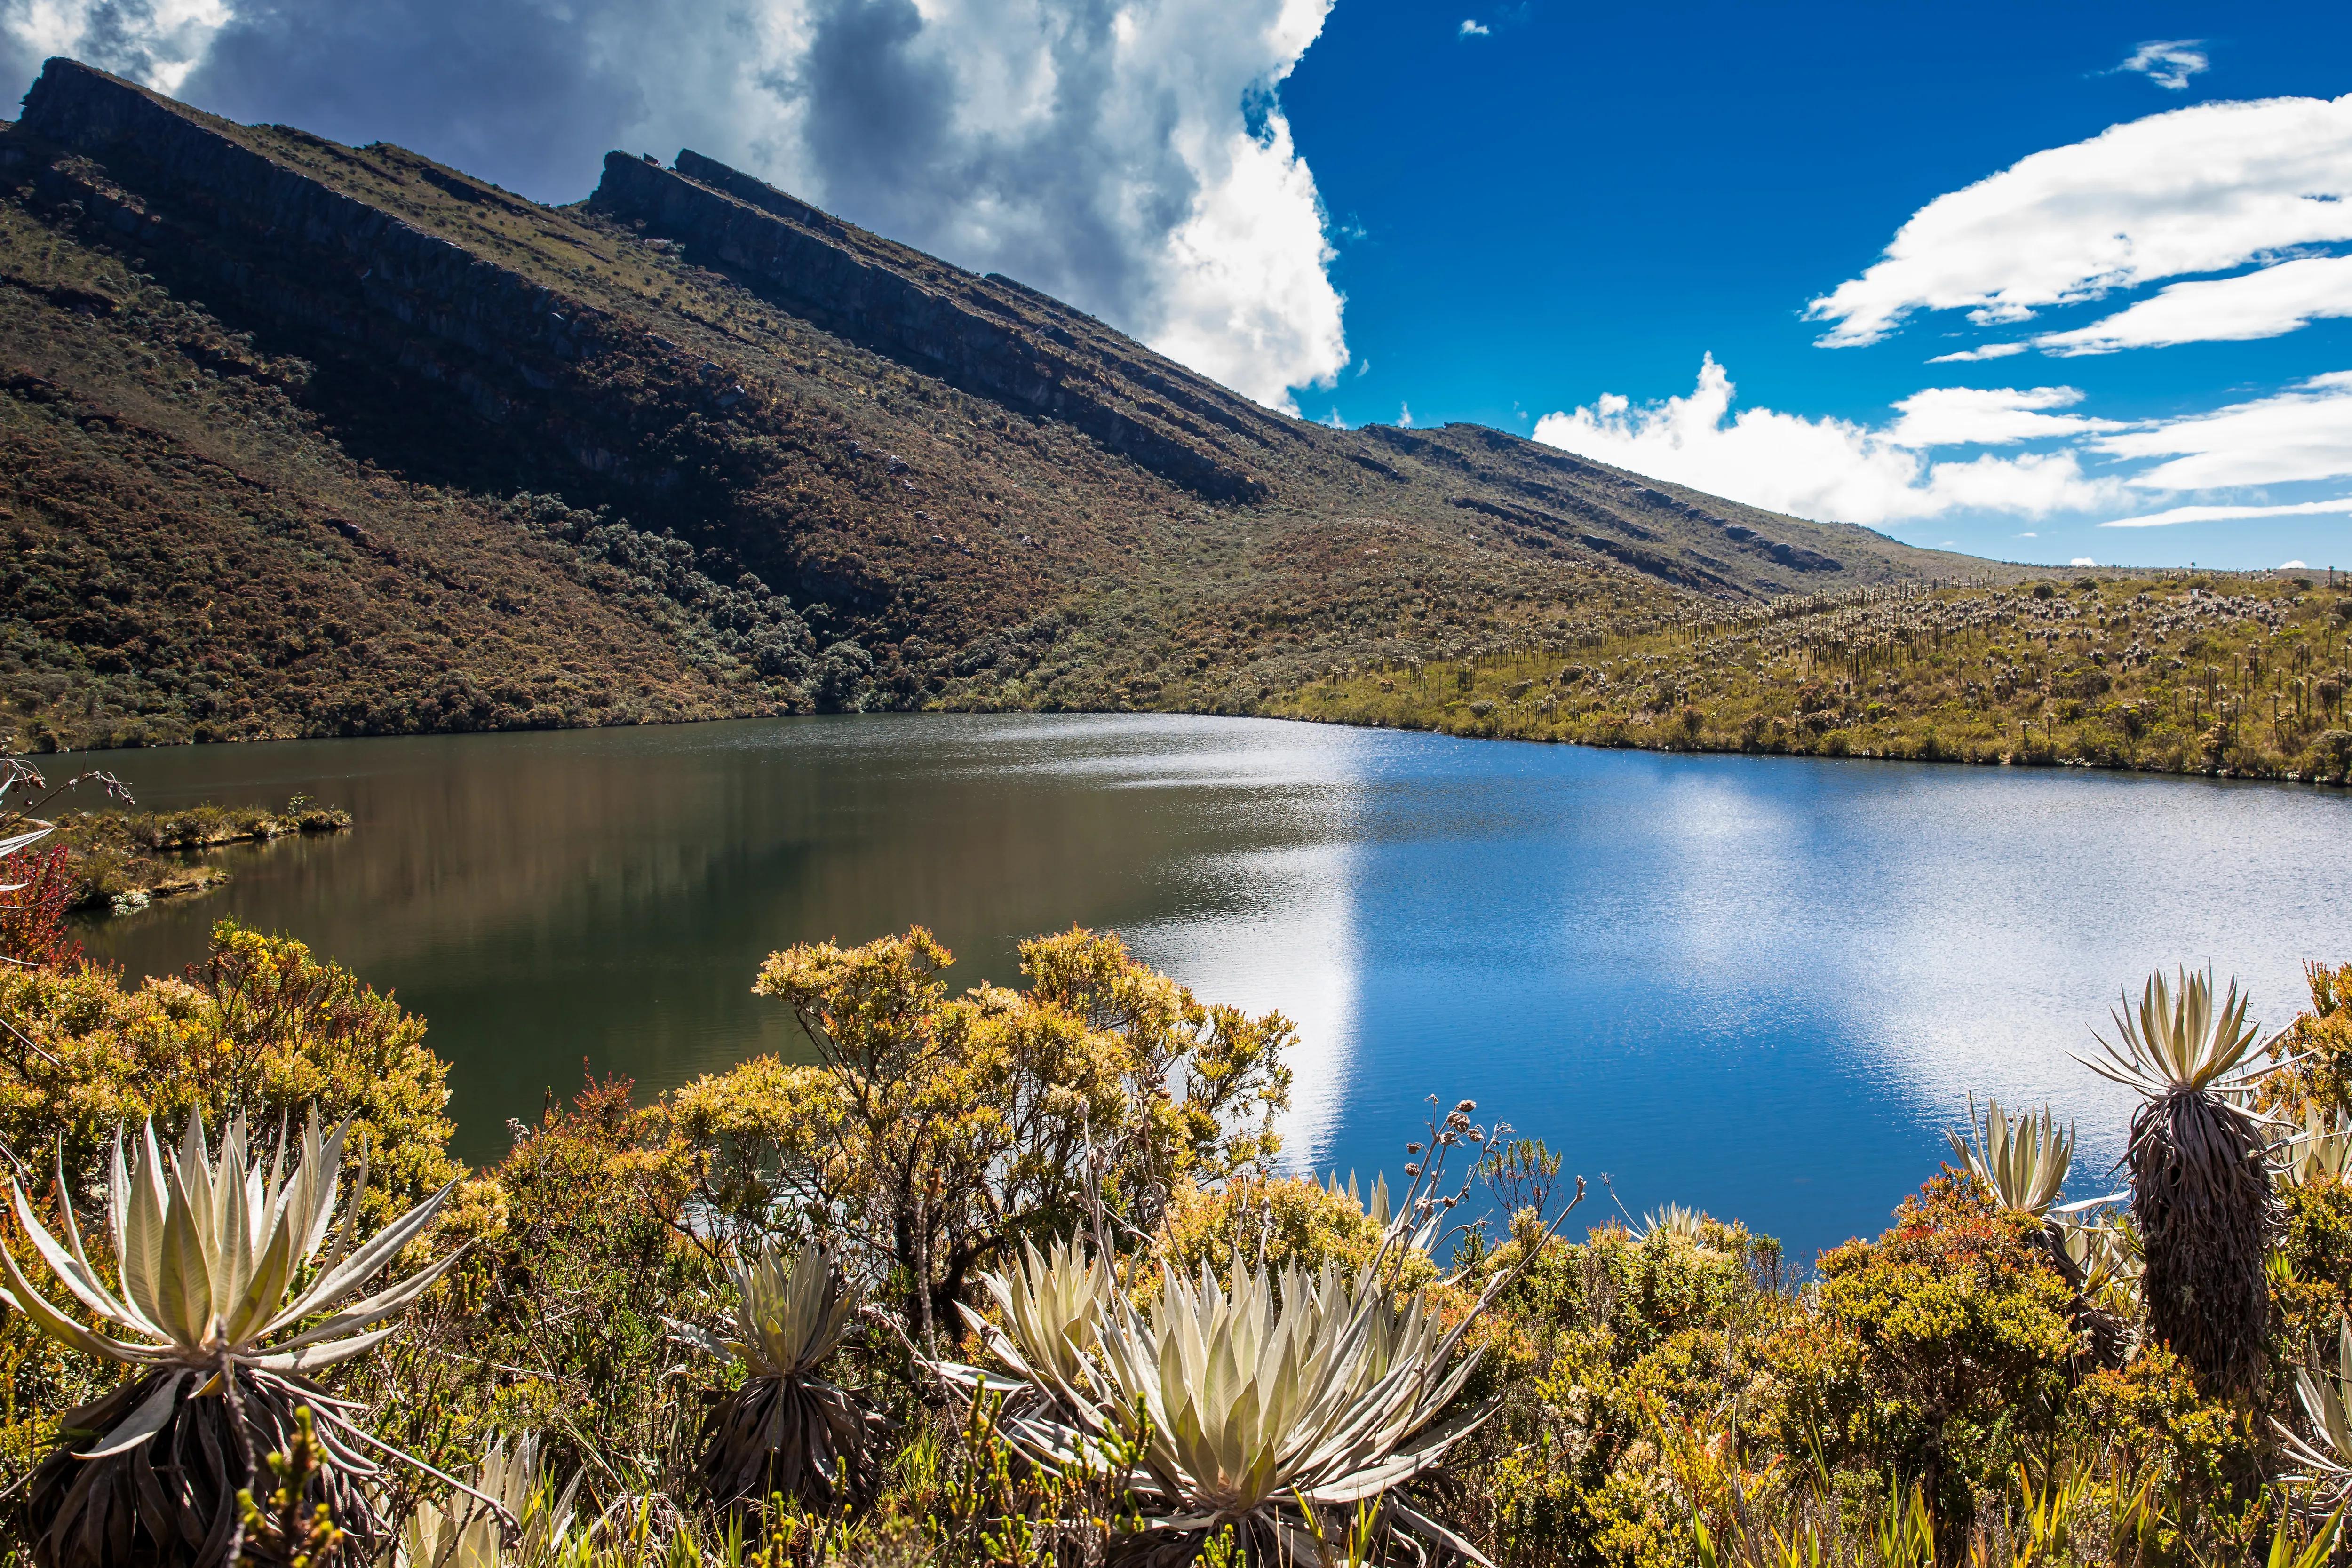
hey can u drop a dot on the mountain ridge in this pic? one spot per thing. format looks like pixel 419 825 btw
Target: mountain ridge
pixel 820 469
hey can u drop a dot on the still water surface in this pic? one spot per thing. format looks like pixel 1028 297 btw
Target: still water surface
pixel 1758 985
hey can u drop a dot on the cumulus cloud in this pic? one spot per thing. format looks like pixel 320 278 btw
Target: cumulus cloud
pixel 2232 513
pixel 2290 437
pixel 2168 62
pixel 1471 29
pixel 2203 189
pixel 1132 159
pixel 2082 561
pixel 1834 469
pixel 2267 304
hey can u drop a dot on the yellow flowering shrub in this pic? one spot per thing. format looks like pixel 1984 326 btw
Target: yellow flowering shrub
pixel 946 1129
pixel 260 1026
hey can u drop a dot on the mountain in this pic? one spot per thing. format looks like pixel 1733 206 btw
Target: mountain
pixel 302 439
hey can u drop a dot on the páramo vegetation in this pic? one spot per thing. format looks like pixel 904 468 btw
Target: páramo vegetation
pixel 1015 1275
pixel 2241 675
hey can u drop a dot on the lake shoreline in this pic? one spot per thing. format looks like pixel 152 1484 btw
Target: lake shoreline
pixel 2034 763
pixel 2029 760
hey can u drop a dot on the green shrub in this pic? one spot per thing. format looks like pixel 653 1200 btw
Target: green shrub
pixel 1940 1350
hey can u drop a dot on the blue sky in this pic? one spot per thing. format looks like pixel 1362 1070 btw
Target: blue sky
pixel 1638 232
pixel 1589 201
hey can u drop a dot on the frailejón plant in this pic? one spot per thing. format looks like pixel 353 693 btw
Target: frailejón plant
pixel 514 1492
pixel 2324 1151
pixel 2200 1175
pixel 216 1307
pixel 784 1430
pixel 2023 1162
pixel 2326 1454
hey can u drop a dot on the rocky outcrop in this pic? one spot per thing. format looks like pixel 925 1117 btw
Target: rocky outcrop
pixel 989 336
pixel 171 177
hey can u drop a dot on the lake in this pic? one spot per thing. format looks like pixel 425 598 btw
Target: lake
pixel 1758 985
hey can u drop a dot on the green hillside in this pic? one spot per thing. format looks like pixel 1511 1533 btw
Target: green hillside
pixel 305 440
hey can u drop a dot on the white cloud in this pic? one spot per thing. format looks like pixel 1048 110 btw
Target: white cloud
pixel 156 42
pixel 2028 533
pixel 2201 189
pixel 1333 420
pixel 1404 415
pixel 2292 567
pixel 2082 561
pixel 2168 62
pixel 2267 304
pixel 1132 158
pixel 1471 29
pixel 2305 434
pixel 1989 416
pixel 1828 468
pixel 1989 351
pixel 2232 513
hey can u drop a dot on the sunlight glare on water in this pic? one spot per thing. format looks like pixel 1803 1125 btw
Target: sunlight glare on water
pixel 1758 985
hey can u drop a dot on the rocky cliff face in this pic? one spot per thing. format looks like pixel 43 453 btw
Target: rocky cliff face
pixel 350 269
pixel 985 336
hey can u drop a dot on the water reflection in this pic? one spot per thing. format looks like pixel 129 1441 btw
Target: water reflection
pixel 1757 985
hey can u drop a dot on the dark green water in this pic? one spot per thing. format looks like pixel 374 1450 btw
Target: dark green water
pixel 1760 985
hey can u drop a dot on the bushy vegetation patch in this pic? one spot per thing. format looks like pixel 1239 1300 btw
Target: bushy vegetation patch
pixel 2236 675
pixel 121 859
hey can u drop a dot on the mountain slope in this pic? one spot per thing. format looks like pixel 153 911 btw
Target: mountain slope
pixel 311 439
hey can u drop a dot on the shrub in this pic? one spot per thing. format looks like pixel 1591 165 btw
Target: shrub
pixel 2150 1414
pixel 945 1130
pixel 556 1319
pixel 39 889
pixel 260 1028
pixel 2314 1051
pixel 1273 1221
pixel 1936 1350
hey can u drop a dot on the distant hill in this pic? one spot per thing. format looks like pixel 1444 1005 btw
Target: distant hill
pixel 306 439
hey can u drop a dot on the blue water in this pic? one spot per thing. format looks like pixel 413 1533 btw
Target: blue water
pixel 1760 986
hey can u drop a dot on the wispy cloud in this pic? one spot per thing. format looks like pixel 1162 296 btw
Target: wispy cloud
pixel 2267 304
pixel 1404 415
pixel 2233 513
pixel 2290 437
pixel 1990 417
pixel 2203 189
pixel 1989 351
pixel 2235 457
pixel 156 42
pixel 1471 29
pixel 2168 62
